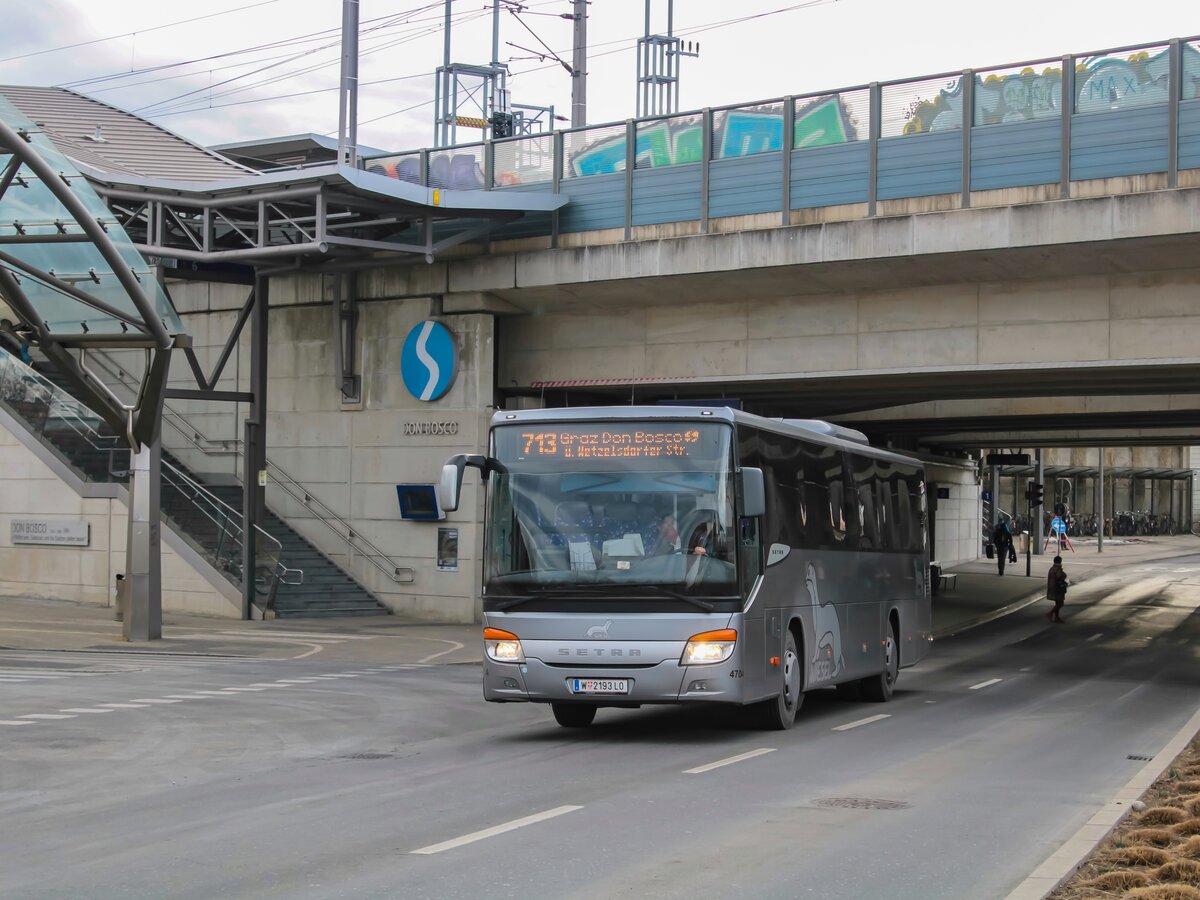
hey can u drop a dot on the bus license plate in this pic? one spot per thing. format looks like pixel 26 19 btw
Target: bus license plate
pixel 599 685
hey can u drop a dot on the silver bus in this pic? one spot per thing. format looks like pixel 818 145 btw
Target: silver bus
pixel 649 555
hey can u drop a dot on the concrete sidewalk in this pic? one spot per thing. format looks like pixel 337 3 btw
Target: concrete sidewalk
pixel 979 595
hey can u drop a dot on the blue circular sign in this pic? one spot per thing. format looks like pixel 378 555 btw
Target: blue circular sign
pixel 429 361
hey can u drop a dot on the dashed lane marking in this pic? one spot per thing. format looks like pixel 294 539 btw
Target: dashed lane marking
pixel 47 716
pixel 241 690
pixel 86 709
pixel 295 681
pixel 728 761
pixel 867 721
pixel 984 684
pixel 1096 636
pixel 495 830
pixel 187 696
pixel 17 722
pixel 155 700
pixel 122 705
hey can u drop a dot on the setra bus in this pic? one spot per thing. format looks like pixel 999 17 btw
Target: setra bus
pixel 648 555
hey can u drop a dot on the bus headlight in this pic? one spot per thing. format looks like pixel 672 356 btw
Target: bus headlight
pixel 709 647
pixel 502 646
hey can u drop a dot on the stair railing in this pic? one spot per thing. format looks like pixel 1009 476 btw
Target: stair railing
pixel 359 546
pixel 44 405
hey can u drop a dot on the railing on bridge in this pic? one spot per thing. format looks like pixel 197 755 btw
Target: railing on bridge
pixel 1122 112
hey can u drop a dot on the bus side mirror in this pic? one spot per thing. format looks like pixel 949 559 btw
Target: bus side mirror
pixel 754 494
pixel 450 487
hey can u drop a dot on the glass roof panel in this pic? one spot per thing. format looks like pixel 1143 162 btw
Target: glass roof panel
pixel 30 208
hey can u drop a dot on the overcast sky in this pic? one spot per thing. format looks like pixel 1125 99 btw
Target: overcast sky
pixel 822 45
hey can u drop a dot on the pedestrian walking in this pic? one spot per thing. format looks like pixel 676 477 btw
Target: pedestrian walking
pixel 1056 589
pixel 1002 539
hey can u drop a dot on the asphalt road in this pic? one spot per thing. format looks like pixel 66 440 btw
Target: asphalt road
pixel 309 778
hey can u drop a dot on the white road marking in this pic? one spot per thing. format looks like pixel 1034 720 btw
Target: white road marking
pixel 343 675
pixel 303 634
pixel 495 830
pixel 295 681
pixel 123 705
pixel 984 684
pixel 867 721
pixel 325 677
pixel 1026 669
pixel 187 697
pixel 240 690
pixel 47 716
pixel 213 693
pixel 264 685
pixel 156 700
pixel 16 722
pixel 1096 636
pixel 457 646
pixel 728 761
pixel 84 709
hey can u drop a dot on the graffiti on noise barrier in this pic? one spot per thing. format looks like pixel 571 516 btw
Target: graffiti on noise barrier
pixel 741 132
pixel 1102 84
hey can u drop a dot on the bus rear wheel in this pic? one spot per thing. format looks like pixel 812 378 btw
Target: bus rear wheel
pixel 779 713
pixel 573 715
pixel 878 688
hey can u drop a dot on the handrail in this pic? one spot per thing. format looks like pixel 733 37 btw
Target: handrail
pixel 76 415
pixel 287 483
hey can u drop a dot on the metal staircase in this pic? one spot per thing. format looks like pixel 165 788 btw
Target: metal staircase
pixel 291 576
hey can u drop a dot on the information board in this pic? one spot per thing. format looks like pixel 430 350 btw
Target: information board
pixel 56 532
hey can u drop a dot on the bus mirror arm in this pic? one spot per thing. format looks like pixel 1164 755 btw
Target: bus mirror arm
pixel 450 487
pixel 753 492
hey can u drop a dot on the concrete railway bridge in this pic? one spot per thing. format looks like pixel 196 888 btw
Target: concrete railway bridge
pixel 1027 278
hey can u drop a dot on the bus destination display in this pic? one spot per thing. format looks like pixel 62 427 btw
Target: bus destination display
pixel 607 440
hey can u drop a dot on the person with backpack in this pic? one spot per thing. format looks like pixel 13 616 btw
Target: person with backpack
pixel 1056 589
pixel 1002 539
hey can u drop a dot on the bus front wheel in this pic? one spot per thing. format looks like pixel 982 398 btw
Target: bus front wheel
pixel 779 713
pixel 878 688
pixel 573 715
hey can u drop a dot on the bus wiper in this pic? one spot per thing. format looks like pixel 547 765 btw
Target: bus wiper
pixel 695 601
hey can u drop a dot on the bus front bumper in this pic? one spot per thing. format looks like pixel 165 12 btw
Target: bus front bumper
pixel 665 682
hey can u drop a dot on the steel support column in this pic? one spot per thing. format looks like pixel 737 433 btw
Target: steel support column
pixel 1036 515
pixel 142 613
pixel 1100 505
pixel 254 453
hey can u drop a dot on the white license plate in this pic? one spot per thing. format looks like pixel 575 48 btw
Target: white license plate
pixel 598 685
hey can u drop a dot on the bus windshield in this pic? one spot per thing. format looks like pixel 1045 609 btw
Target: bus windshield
pixel 575 504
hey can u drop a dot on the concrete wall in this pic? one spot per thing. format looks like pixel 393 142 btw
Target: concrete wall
pixel 957 530
pixel 350 457
pixel 29 488
pixel 1107 317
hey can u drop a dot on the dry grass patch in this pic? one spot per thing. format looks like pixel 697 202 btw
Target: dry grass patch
pixel 1187 827
pixel 1188 787
pixel 1156 837
pixel 1162 815
pixel 1126 857
pixel 1120 880
pixel 1189 849
pixel 1180 871
pixel 1164 892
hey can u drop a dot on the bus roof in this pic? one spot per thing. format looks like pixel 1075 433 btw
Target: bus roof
pixel 815 430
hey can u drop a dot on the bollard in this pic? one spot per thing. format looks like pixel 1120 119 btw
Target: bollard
pixel 120 597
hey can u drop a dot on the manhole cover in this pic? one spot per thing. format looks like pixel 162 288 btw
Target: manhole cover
pixel 1139 756
pixel 368 756
pixel 862 803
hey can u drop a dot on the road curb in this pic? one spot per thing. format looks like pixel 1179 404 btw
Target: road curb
pixel 1071 855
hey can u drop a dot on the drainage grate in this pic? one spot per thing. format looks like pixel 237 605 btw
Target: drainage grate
pixel 862 803
pixel 369 756
pixel 1139 756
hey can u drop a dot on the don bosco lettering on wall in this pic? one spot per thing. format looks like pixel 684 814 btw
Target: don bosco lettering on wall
pixel 429 361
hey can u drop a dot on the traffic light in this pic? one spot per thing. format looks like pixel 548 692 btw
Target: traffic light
pixel 1035 493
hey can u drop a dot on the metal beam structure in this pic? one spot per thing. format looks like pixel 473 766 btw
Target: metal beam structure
pixel 138 423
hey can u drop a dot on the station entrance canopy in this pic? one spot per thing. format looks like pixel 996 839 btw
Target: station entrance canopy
pixel 89 194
